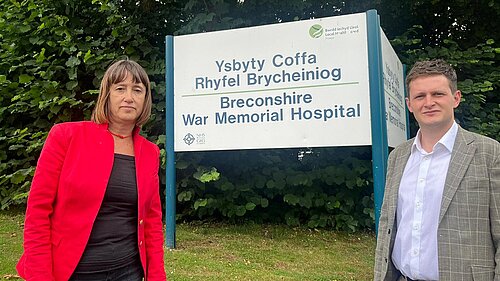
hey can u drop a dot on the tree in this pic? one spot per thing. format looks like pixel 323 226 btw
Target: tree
pixel 467 22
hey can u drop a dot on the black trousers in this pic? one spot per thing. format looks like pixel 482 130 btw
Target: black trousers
pixel 132 272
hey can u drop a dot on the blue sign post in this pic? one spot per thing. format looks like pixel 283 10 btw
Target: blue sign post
pixel 170 201
pixel 377 103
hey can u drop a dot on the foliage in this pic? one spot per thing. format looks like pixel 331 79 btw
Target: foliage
pixel 235 195
pixel 467 22
pixel 211 15
pixel 478 72
pixel 52 56
pixel 467 35
pixel 329 187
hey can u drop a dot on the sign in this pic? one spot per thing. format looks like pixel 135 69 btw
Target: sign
pixel 323 82
pixel 395 104
pixel 299 84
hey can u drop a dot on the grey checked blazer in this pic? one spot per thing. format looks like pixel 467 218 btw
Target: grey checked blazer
pixel 469 220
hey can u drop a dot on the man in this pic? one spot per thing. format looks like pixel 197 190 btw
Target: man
pixel 440 218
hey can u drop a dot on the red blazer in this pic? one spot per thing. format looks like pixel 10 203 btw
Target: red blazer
pixel 66 193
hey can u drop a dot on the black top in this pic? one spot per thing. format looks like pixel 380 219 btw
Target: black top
pixel 113 240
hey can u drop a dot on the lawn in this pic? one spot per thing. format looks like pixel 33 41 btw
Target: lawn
pixel 239 252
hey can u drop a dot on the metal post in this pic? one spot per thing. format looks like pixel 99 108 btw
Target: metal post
pixel 380 148
pixel 170 200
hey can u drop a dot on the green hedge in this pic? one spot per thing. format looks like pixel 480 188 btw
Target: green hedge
pixel 322 187
pixel 54 53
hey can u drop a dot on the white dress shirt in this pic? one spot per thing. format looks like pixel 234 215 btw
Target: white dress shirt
pixel 415 252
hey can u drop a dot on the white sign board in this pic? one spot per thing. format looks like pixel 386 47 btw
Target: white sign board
pixel 395 105
pixel 299 84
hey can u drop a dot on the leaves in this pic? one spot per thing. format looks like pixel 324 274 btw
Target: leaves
pixel 275 186
pixel 24 78
pixel 204 175
pixel 52 57
pixel 478 73
pixel 200 203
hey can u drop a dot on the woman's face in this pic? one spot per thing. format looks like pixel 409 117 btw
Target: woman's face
pixel 126 101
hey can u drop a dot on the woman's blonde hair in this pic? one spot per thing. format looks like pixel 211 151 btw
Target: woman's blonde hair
pixel 116 73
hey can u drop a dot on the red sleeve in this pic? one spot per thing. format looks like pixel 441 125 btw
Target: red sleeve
pixel 153 233
pixel 36 263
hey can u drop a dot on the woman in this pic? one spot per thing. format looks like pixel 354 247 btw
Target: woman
pixel 94 209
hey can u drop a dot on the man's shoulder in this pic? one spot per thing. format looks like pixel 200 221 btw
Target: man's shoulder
pixel 478 139
pixel 404 146
pixel 487 147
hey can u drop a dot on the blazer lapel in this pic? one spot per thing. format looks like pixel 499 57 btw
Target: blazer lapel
pixel 461 156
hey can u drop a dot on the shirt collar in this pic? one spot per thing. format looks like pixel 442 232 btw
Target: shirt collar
pixel 447 141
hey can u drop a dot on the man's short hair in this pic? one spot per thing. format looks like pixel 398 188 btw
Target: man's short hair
pixel 431 68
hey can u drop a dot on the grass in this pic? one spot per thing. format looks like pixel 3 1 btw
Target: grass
pixel 269 252
pixel 11 241
pixel 239 252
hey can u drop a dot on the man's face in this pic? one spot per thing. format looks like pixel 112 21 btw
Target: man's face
pixel 432 102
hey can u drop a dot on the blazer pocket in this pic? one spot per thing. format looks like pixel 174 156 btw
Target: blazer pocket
pixel 483 273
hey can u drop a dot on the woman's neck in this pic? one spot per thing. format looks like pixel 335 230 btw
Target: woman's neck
pixel 121 131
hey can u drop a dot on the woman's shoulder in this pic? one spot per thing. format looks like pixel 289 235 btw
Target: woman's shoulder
pixel 70 130
pixel 75 125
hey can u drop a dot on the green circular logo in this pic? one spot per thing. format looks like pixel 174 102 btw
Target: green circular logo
pixel 316 31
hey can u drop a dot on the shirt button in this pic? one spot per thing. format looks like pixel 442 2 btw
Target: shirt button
pixel 416 226
pixel 141 221
pixel 415 252
pixel 140 243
